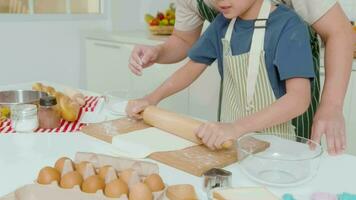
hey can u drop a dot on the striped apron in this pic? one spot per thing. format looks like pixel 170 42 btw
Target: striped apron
pixel 246 86
pixel 302 123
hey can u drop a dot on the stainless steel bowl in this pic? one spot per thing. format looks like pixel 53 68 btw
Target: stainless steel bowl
pixel 15 97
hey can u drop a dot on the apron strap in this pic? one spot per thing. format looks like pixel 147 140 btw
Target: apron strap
pixel 229 31
pixel 257 45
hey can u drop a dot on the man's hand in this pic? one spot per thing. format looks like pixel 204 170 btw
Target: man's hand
pixel 141 57
pixel 330 121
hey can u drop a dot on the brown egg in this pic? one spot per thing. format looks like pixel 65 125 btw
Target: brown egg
pixel 47 175
pixel 71 179
pixel 116 188
pixel 126 175
pixel 81 167
pixel 154 182
pixel 140 191
pixel 60 163
pixel 103 171
pixel 93 184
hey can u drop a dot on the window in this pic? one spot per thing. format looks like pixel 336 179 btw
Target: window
pixel 66 7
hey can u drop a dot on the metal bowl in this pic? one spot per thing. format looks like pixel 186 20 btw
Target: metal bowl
pixel 15 97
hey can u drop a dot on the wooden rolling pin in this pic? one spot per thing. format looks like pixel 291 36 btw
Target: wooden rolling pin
pixel 179 125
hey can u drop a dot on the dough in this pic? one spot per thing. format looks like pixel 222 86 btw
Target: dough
pixel 142 143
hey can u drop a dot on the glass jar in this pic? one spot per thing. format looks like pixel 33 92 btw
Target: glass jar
pixel 24 118
pixel 48 114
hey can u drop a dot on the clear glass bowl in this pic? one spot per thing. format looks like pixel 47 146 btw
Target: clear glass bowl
pixel 276 161
pixel 116 101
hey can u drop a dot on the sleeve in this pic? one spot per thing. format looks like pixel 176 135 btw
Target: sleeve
pixel 187 15
pixel 205 50
pixel 312 10
pixel 293 56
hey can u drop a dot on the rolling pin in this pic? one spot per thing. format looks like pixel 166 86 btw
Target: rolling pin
pixel 179 125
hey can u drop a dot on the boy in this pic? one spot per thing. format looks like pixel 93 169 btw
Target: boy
pixel 265 62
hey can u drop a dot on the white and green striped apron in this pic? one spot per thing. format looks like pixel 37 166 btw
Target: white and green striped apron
pixel 246 86
pixel 302 123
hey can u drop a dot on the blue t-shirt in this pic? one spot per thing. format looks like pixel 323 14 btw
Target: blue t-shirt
pixel 287 46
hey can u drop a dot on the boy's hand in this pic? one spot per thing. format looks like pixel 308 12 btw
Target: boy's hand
pixel 214 134
pixel 141 57
pixel 135 107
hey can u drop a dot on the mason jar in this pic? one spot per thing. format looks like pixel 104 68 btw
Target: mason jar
pixel 24 118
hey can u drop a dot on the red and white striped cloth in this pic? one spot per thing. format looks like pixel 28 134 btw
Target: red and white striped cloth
pixel 66 127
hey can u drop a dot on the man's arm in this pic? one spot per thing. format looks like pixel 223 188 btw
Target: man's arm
pixel 335 31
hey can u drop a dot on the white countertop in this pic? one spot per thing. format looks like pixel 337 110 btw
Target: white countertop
pixel 130 37
pixel 23 155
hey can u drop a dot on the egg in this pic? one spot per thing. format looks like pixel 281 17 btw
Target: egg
pixel 103 171
pixel 154 182
pixel 81 167
pixel 140 191
pixel 60 163
pixel 47 175
pixel 130 177
pixel 71 179
pixel 92 184
pixel 116 188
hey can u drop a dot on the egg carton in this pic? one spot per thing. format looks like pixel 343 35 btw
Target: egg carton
pixel 52 191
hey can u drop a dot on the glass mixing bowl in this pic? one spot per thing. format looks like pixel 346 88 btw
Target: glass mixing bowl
pixel 116 101
pixel 283 162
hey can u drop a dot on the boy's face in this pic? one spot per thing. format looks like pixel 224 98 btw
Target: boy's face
pixel 233 8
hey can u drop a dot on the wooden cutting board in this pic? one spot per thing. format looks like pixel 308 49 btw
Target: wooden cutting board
pixel 194 160
pixel 107 130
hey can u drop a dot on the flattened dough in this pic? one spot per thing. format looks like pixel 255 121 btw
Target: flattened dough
pixel 142 143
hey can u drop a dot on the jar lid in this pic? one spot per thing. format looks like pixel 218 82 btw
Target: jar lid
pixel 48 101
pixel 24 109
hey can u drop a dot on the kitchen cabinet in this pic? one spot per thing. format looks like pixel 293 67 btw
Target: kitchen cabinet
pixel 106 68
pixel 106 65
pixel 204 94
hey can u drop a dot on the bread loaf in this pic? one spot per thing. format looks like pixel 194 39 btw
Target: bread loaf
pixel 68 108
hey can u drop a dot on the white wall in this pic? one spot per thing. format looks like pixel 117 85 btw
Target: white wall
pixel 43 50
pixel 350 8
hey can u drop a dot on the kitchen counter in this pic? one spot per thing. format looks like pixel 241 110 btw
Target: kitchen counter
pixel 23 155
pixel 131 37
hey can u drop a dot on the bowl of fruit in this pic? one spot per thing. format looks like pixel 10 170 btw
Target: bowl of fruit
pixel 163 22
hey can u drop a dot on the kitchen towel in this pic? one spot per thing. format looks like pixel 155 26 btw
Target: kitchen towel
pixel 91 103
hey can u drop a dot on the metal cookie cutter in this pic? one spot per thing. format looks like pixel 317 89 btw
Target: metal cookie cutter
pixel 216 178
